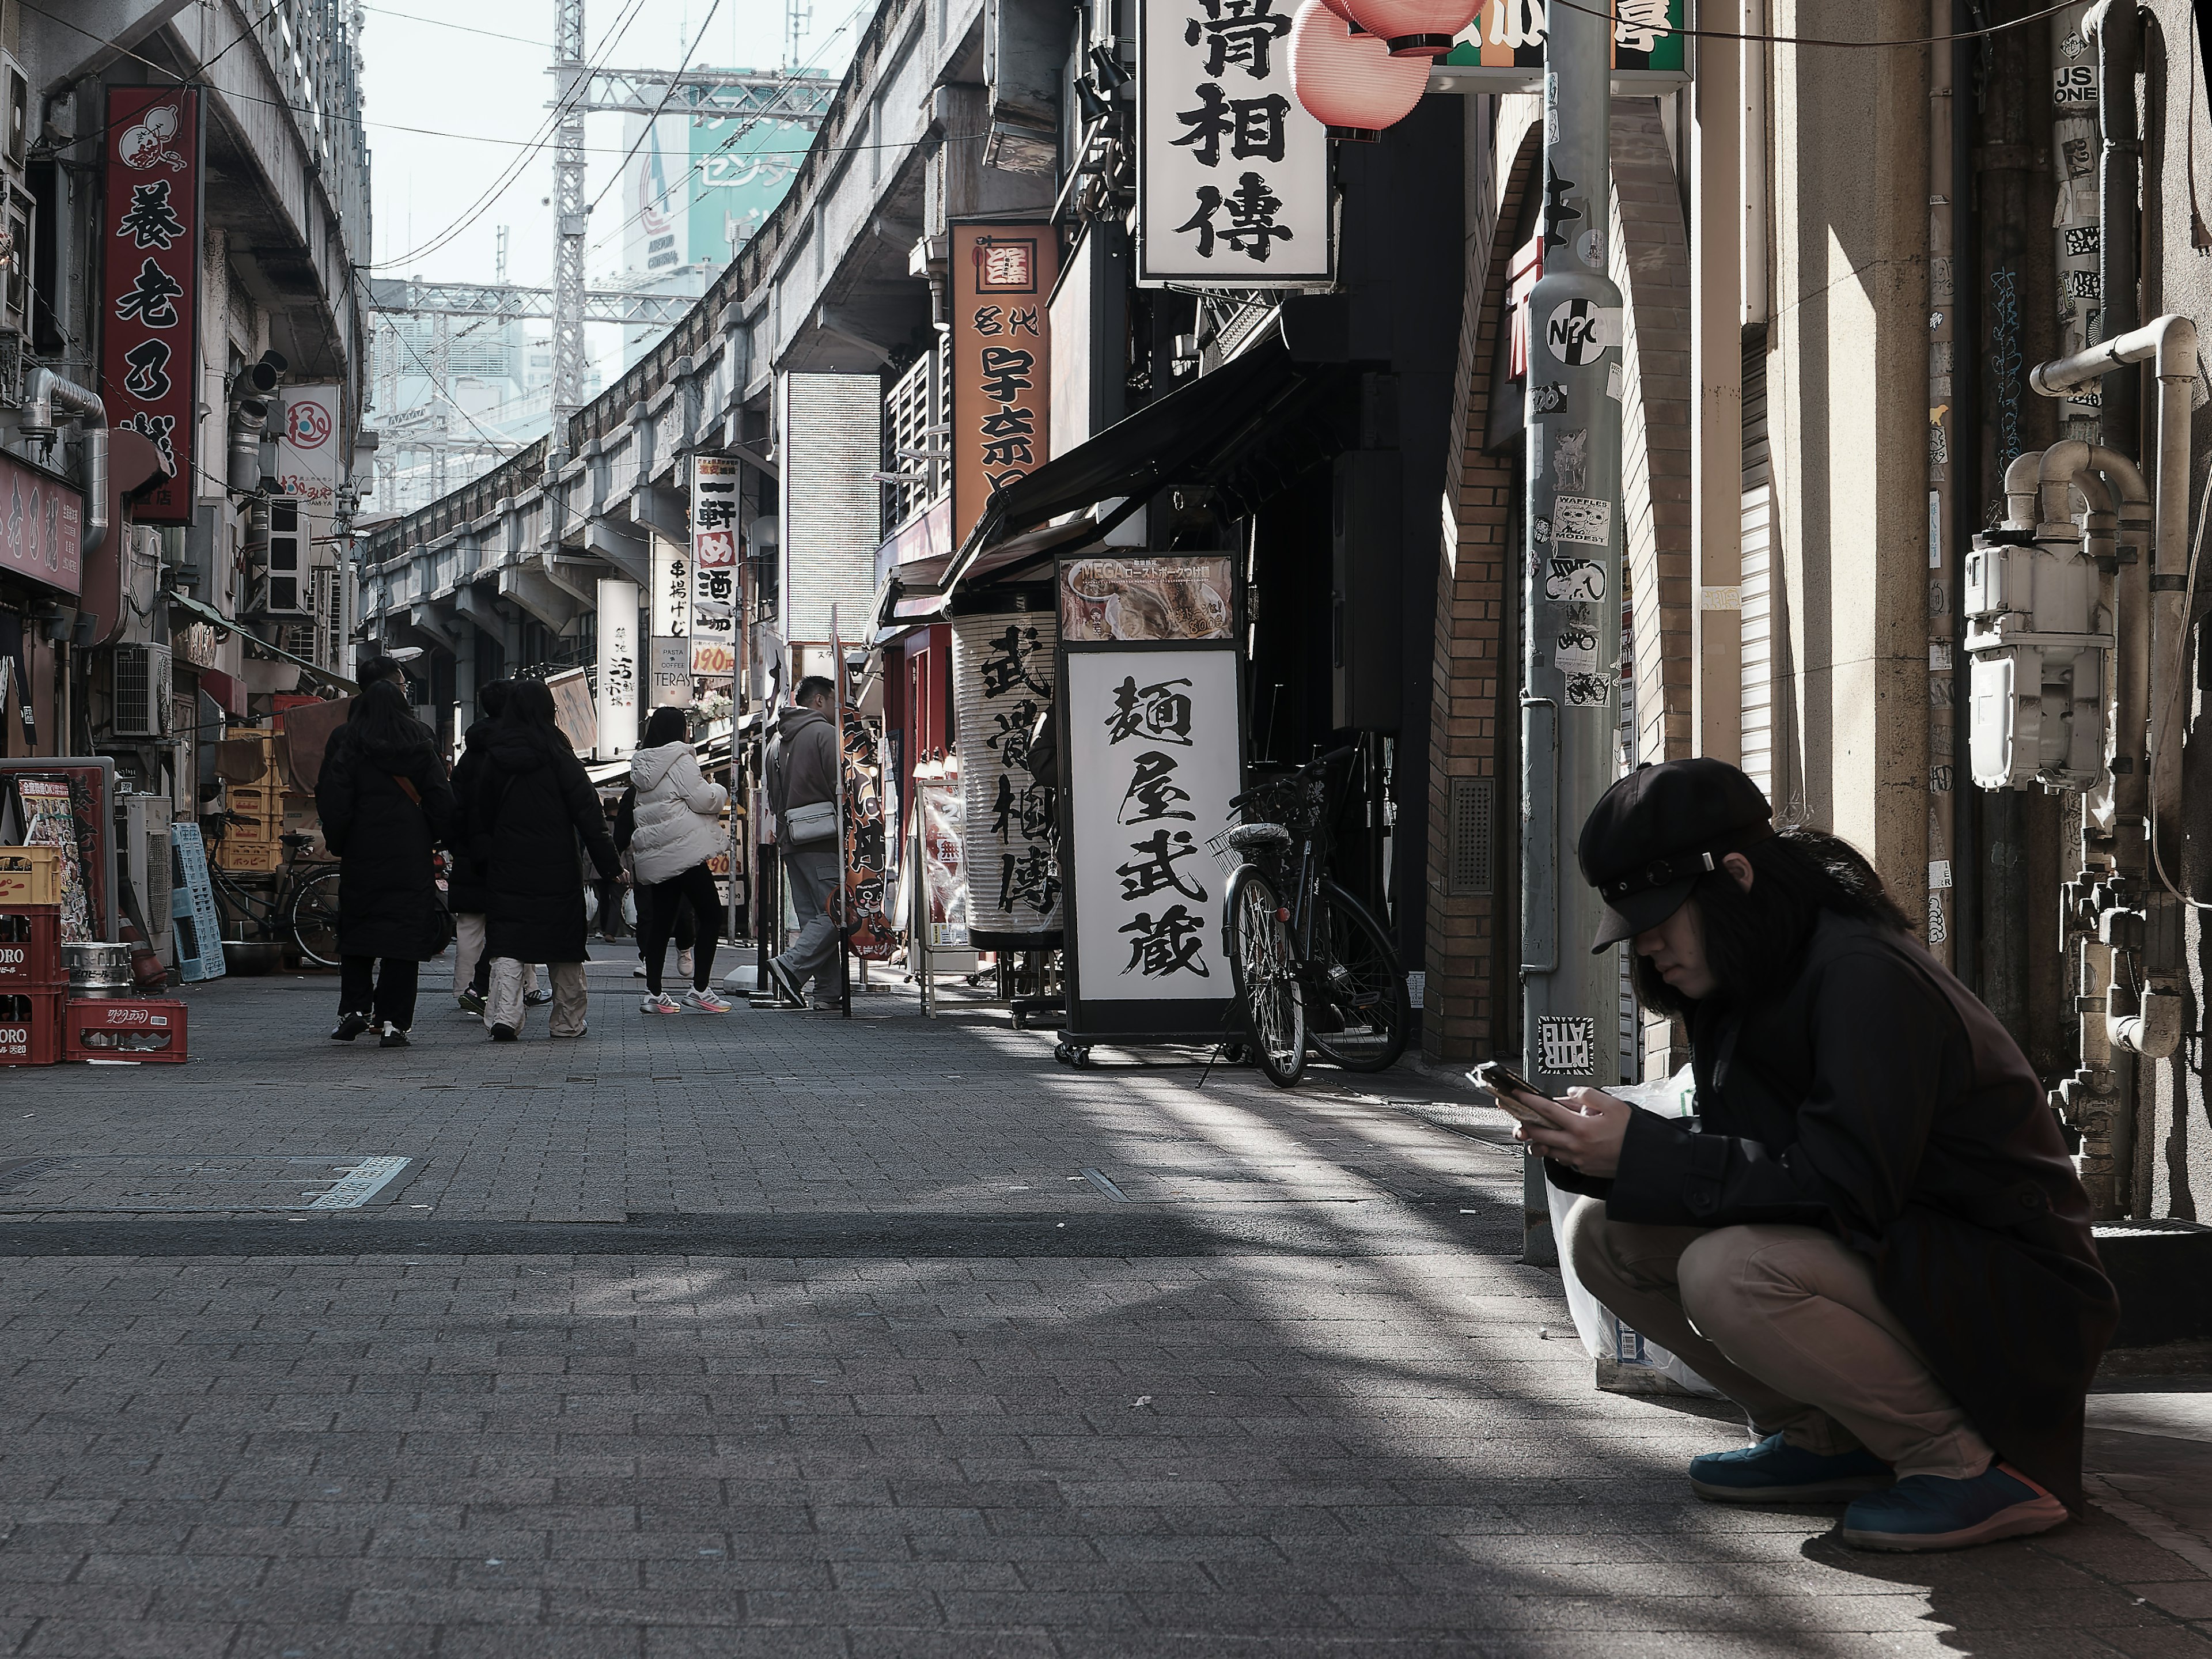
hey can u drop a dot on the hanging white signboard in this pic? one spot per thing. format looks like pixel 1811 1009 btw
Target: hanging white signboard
pixel 1232 173
pixel 713 565
pixel 618 667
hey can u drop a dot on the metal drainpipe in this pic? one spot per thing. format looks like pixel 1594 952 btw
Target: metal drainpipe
pixel 49 391
pixel 2116 28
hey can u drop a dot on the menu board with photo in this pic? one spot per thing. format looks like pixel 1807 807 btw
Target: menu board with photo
pixel 1136 600
pixel 48 816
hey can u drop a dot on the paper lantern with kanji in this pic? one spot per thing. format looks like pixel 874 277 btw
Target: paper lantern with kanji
pixel 1414 28
pixel 1350 82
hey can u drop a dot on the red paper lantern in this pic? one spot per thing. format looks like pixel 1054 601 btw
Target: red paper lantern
pixel 1343 9
pixel 1350 82
pixel 1414 28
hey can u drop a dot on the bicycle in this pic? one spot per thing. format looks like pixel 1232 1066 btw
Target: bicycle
pixel 304 908
pixel 1309 966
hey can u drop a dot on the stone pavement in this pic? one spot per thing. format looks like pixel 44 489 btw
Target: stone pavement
pixel 781 1334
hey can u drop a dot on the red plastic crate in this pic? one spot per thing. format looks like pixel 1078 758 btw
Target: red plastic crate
pixel 31 948
pixel 123 1028
pixel 30 1028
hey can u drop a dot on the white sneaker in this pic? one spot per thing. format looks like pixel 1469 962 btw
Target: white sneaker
pixel 684 964
pixel 704 1002
pixel 662 1003
pixel 638 972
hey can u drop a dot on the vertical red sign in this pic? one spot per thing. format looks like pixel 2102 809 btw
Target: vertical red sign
pixel 150 242
pixel 1001 276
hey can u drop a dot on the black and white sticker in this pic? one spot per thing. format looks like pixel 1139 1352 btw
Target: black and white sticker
pixel 1566 1045
pixel 1574 579
pixel 1582 519
pixel 1580 331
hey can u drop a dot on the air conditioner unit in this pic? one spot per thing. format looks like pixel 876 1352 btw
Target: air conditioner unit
pixel 15 114
pixel 142 690
pixel 288 591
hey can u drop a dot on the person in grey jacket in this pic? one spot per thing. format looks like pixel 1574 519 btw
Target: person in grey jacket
pixel 678 820
pixel 802 772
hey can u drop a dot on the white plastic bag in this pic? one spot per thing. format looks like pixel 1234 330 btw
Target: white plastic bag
pixel 1602 1333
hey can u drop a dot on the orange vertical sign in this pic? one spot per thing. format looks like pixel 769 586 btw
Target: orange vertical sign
pixel 1001 276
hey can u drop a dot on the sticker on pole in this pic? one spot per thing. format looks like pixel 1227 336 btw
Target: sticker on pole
pixel 1566 1045
pixel 1581 331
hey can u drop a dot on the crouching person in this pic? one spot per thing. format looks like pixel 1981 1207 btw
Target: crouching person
pixel 1871 1236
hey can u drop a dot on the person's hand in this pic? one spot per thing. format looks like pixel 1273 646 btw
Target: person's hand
pixel 1584 1134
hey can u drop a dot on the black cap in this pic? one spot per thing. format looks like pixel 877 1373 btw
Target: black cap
pixel 1653 834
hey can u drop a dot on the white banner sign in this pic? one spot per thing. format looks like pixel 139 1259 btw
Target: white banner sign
pixel 617 690
pixel 1002 679
pixel 1233 173
pixel 672 590
pixel 714 564
pixel 1152 760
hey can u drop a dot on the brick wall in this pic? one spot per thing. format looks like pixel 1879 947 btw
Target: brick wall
pixel 1474 679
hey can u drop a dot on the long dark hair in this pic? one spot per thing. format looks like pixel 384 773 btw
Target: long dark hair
pixel 668 725
pixel 1753 940
pixel 381 718
pixel 529 710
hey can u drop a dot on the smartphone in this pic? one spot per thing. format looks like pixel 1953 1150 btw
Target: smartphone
pixel 1498 1080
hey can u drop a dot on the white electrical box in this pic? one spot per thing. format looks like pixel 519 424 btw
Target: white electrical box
pixel 2038 644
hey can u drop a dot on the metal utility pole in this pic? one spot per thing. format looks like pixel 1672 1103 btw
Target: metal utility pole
pixel 1570 667
pixel 570 217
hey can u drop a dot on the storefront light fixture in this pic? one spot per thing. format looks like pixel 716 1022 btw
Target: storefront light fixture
pixel 1350 82
pixel 1419 29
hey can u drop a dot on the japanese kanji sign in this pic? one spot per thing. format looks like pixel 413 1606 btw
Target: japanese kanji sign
pixel 1233 173
pixel 41 528
pixel 1152 760
pixel 150 258
pixel 714 546
pixel 1004 675
pixel 1502 49
pixel 1001 276
pixel 617 691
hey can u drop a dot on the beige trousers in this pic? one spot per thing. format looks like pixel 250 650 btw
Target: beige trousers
pixel 469 947
pixel 510 978
pixel 1786 1322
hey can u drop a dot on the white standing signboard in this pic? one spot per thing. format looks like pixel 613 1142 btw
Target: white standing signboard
pixel 670 654
pixel 714 541
pixel 1152 760
pixel 1233 173
pixel 617 690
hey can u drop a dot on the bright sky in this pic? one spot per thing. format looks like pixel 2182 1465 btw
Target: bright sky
pixel 468 73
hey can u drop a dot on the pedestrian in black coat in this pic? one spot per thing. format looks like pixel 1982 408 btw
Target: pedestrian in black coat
pixel 1871 1235
pixel 529 805
pixel 468 887
pixel 385 802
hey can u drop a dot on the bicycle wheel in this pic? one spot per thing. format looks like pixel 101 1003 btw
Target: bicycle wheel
pixel 1366 1015
pixel 314 919
pixel 1263 971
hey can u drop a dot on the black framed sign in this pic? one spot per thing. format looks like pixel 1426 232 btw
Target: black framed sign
pixel 1152 732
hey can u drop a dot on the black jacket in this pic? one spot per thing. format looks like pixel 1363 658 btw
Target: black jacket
pixel 529 801
pixel 1876 1097
pixel 388 904
pixel 466 892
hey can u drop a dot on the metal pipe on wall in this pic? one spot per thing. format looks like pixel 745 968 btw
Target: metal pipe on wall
pixel 1945 632
pixel 1572 645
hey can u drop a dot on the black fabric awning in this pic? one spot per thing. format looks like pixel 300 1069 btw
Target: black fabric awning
pixel 1244 429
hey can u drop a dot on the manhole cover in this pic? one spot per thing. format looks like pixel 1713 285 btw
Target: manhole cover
pixel 128 1181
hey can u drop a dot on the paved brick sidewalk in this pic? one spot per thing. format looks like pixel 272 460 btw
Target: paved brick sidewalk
pixel 1304 1406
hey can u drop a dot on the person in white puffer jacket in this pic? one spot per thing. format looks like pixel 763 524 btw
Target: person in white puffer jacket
pixel 679 827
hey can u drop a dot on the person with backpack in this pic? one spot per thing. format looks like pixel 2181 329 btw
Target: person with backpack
pixel 528 807
pixel 678 817
pixel 802 794
pixel 385 802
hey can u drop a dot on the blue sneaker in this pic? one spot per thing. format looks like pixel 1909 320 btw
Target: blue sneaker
pixel 1776 1472
pixel 1934 1512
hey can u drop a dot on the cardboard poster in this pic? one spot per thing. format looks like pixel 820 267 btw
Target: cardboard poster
pixel 48 815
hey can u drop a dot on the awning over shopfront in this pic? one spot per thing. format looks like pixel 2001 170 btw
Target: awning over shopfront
pixel 1245 429
pixel 256 645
